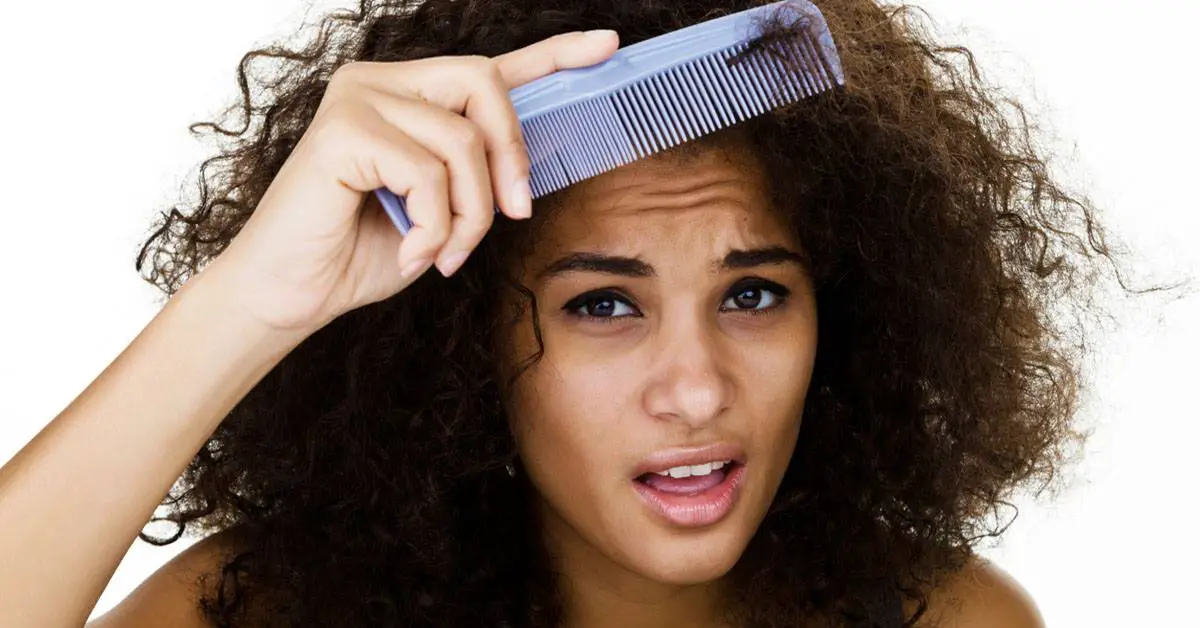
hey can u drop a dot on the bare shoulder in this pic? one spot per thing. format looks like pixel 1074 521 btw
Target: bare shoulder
pixel 982 595
pixel 171 595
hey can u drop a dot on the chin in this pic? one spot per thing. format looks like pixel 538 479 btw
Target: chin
pixel 687 557
pixel 691 530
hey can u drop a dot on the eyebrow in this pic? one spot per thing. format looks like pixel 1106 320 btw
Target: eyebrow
pixel 737 259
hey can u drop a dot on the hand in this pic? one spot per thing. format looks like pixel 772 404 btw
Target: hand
pixel 441 132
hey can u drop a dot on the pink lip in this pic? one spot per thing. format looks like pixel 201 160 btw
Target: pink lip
pixel 700 509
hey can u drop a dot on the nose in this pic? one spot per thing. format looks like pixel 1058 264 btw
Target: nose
pixel 689 381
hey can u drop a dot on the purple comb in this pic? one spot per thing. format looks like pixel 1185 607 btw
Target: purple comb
pixel 661 92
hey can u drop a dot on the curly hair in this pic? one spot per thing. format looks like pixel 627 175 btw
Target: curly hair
pixel 362 472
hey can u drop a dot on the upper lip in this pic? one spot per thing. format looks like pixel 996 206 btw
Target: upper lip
pixel 680 456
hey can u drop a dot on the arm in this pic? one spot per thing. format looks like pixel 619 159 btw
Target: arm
pixel 171 596
pixel 74 499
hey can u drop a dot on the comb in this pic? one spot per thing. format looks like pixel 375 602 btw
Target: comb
pixel 661 92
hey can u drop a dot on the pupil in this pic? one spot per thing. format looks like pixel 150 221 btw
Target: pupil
pixel 749 298
pixel 603 308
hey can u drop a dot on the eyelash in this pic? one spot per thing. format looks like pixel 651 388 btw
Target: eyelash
pixel 574 306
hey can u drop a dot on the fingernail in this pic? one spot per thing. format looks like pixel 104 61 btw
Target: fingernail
pixel 416 267
pixel 522 198
pixel 603 33
pixel 451 263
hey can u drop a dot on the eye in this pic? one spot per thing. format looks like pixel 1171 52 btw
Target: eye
pixel 755 296
pixel 601 304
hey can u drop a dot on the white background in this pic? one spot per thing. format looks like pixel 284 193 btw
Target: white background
pixel 96 97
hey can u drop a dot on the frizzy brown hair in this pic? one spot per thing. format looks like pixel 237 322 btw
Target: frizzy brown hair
pixel 364 473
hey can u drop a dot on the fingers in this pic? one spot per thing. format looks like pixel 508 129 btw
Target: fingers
pixel 493 109
pixel 460 145
pixel 474 88
pixel 478 88
pixel 486 103
pixel 560 52
pixel 489 105
pixel 456 168
pixel 406 167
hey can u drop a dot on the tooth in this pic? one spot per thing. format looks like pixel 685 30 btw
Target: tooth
pixel 702 469
pixel 680 472
pixel 718 464
pixel 662 473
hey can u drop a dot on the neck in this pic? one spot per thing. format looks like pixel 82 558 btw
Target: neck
pixel 593 602
pixel 599 593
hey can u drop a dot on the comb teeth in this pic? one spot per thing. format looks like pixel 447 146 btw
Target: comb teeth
pixel 676 105
pixel 660 93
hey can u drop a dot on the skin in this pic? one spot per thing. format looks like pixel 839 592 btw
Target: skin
pixel 678 372
pixel 75 497
pixel 666 356
pixel 646 386
pixel 981 596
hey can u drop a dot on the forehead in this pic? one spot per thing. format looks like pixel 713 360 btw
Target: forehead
pixel 708 199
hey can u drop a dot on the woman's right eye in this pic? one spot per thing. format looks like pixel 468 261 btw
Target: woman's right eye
pixel 602 306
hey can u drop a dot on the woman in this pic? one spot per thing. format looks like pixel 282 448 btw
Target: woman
pixel 785 375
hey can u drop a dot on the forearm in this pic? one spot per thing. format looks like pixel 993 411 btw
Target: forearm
pixel 74 499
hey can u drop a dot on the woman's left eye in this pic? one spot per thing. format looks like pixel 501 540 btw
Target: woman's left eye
pixel 755 297
pixel 601 305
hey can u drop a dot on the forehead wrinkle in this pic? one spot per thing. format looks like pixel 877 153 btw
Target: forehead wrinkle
pixel 699 207
pixel 682 193
pixel 696 210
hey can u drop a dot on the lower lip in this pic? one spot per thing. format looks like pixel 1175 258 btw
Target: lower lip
pixel 698 509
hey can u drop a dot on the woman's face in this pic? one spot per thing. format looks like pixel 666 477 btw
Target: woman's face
pixel 679 329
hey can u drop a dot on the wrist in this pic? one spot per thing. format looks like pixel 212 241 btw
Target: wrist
pixel 219 292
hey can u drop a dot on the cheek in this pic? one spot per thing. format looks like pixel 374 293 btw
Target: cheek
pixel 574 434
pixel 775 372
pixel 773 384
pixel 570 421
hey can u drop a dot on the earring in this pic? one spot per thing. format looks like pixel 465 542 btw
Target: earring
pixel 512 471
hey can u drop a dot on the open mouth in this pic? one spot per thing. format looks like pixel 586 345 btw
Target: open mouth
pixel 689 479
pixel 692 495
